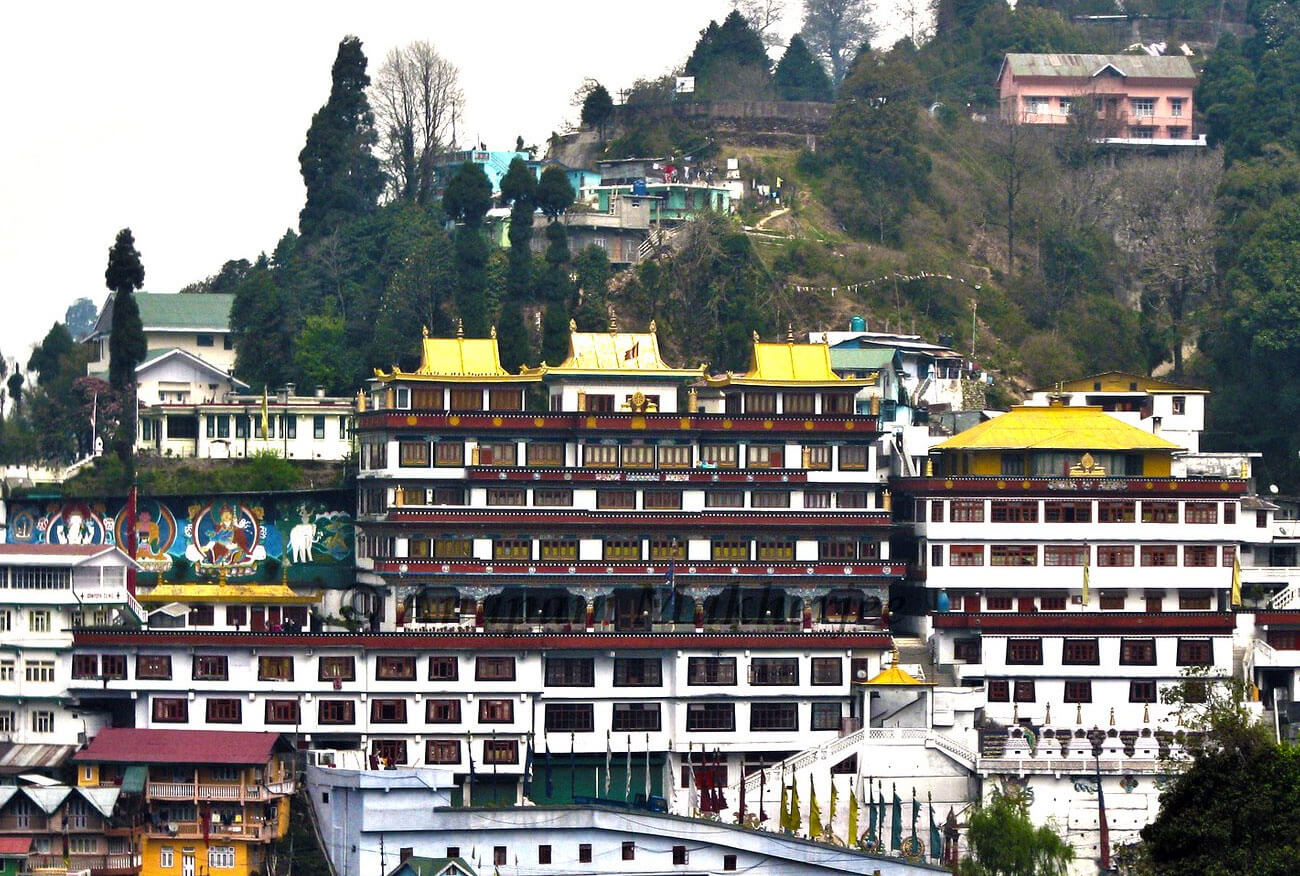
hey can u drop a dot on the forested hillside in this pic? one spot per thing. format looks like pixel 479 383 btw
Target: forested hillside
pixel 914 207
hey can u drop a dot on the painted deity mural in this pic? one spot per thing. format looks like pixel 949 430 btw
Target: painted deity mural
pixel 247 538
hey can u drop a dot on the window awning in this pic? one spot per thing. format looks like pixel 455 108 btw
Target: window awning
pixel 133 779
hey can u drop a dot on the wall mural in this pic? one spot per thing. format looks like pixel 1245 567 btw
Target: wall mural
pixel 244 538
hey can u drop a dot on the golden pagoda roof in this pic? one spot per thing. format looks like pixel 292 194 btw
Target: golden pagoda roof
pixel 1055 427
pixel 788 364
pixel 245 594
pixel 1122 381
pixel 894 675
pixel 614 352
pixel 459 359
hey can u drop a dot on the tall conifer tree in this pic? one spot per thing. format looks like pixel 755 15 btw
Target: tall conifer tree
pixel 126 341
pixel 342 175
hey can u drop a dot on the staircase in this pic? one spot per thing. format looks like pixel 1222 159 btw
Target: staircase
pixel 1288 597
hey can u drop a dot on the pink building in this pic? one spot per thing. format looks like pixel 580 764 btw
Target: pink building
pixel 1133 97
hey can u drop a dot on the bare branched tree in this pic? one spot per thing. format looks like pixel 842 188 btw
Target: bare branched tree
pixel 835 30
pixel 763 16
pixel 416 98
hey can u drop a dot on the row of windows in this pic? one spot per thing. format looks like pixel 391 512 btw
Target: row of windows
pixel 1194 555
pixel 33 670
pixel 40 721
pixel 424 453
pixel 558 671
pixel 1001 690
pixel 35 578
pixel 1074 511
pixel 436 398
pixel 250 425
pixel 216 667
pixel 374 501
pixel 501 854
pixel 1084 652
pixel 1107 600
pixel 563 549
pixel 559 717
pixel 38 619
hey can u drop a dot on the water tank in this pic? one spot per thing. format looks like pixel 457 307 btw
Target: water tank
pixel 639 187
pixel 943 603
pixel 857 324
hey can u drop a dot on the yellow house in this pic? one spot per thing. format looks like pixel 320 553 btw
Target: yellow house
pixel 1054 441
pixel 202 803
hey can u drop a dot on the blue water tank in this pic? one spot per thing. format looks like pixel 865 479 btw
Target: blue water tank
pixel 942 604
pixel 857 324
pixel 638 187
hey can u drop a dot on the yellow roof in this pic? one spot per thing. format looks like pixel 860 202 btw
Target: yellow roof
pixel 250 594
pixel 460 359
pixel 1122 381
pixel 788 364
pixel 894 675
pixel 615 352
pixel 1055 428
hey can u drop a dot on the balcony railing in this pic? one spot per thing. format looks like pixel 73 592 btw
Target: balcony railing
pixel 194 830
pixel 210 791
pixel 93 863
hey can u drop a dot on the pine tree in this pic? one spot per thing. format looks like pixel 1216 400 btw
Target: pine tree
pixel 729 59
pixel 597 108
pixel 555 334
pixel 799 76
pixel 342 175
pixel 519 190
pixel 467 199
pixel 513 343
pixel 126 341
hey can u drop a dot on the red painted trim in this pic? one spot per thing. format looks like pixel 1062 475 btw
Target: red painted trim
pixel 602 519
pixel 864 427
pixel 1066 488
pixel 1047 623
pixel 1278 618
pixel 483 641
pixel 810 571
pixel 518 474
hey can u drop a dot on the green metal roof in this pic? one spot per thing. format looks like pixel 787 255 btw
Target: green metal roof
pixel 422 866
pixel 133 779
pixel 1083 66
pixel 191 311
pixel 862 358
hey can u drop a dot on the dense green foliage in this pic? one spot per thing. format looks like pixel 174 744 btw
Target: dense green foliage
pixel 1004 842
pixel 597 108
pixel 126 342
pixel 798 75
pixel 729 61
pixel 519 190
pixel 342 174
pixel 836 31
pixel 1234 807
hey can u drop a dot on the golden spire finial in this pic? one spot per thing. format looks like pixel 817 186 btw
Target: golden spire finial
pixel 613 321
pixel 460 328
pixel 573 325
pixel 789 333
pixel 653 328
pixel 756 337
pixel 424 329
pixel 492 332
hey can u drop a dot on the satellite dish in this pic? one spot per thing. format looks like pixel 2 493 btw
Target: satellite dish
pixel 1272 488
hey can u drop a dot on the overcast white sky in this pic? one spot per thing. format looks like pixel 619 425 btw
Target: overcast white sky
pixel 184 121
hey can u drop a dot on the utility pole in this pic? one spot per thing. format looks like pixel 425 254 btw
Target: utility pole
pixel 973 306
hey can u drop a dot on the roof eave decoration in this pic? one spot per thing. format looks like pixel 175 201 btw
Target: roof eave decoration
pixel 458 360
pixel 787 364
pixel 615 353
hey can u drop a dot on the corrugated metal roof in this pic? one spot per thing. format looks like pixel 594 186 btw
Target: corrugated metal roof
pixel 1055 428
pixel 143 746
pixel 18 758
pixel 1084 66
pixel 1120 381
pixel 862 358
pixel 103 799
pixel 48 799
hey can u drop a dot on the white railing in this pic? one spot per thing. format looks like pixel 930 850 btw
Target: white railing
pixel 207 791
pixel 1286 598
pixel 956 749
pixel 806 758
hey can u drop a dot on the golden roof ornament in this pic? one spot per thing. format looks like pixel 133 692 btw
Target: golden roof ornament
pixel 789 333
pixel 756 337
pixel 424 330
pixel 573 325
pixel 492 332
pixel 613 321
pixel 460 328
pixel 654 329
